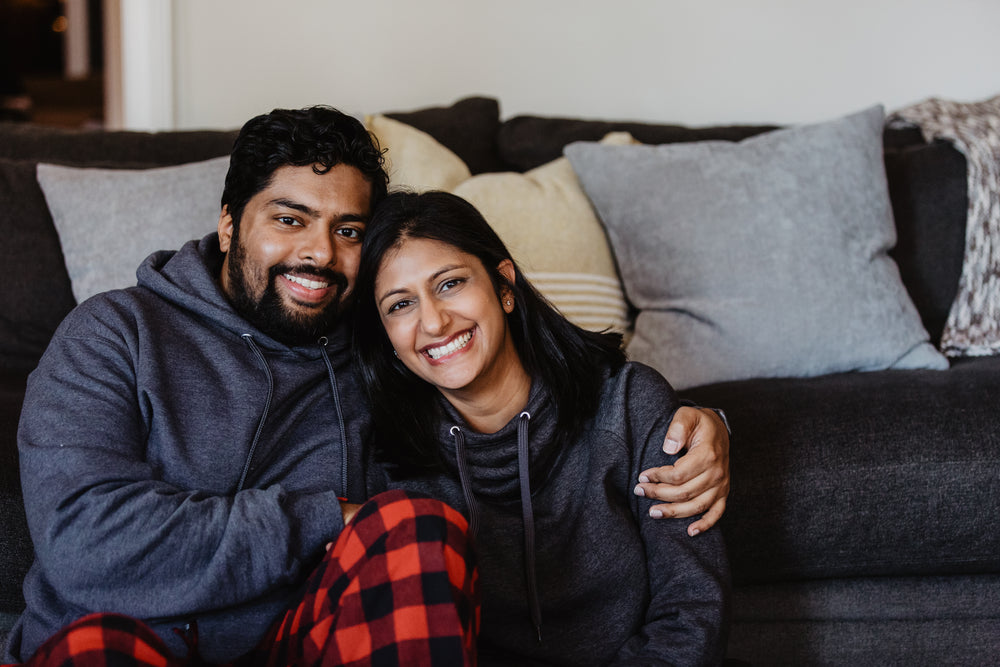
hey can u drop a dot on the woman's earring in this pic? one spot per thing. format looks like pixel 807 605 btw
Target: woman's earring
pixel 396 354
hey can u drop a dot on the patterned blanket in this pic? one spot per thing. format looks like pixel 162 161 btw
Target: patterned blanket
pixel 973 326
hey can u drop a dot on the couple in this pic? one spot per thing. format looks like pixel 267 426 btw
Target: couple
pixel 195 451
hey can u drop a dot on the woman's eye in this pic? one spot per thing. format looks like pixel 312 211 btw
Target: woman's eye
pixel 399 305
pixel 450 283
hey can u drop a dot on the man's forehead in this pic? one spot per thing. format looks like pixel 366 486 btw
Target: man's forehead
pixel 302 188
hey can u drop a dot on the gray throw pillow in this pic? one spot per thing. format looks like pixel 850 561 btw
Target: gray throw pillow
pixel 763 258
pixel 109 220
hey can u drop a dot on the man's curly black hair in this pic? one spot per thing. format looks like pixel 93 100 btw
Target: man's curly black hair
pixel 318 136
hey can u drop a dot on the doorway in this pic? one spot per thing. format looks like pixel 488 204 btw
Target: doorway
pixel 52 68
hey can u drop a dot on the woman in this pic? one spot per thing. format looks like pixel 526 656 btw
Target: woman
pixel 489 399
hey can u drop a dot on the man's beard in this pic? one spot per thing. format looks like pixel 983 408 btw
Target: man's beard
pixel 268 314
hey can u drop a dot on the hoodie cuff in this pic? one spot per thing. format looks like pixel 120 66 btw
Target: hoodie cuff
pixel 316 521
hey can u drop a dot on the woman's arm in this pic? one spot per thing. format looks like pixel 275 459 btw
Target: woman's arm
pixel 689 582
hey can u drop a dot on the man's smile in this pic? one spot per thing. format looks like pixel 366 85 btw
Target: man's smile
pixel 306 282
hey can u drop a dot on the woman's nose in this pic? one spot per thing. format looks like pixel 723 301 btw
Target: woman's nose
pixel 433 318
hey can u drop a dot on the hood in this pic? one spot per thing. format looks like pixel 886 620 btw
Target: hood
pixel 189 278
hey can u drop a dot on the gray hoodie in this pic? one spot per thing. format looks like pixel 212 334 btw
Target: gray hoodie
pixel 178 465
pixel 572 568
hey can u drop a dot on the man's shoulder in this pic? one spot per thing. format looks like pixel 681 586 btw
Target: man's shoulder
pixel 116 310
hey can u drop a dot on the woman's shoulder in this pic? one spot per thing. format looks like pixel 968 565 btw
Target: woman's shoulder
pixel 636 376
pixel 635 387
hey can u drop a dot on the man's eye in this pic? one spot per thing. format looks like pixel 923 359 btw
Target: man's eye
pixel 351 232
pixel 287 220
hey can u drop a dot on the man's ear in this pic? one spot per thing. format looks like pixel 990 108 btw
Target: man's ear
pixel 225 229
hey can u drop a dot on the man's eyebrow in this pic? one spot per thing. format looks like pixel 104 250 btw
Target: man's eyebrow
pixel 295 206
pixel 313 213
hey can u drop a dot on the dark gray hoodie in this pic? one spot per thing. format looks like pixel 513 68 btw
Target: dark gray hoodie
pixel 572 568
pixel 179 465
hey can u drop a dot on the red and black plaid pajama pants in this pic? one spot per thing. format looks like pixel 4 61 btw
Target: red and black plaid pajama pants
pixel 399 587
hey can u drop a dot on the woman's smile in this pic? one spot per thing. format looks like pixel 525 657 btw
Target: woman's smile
pixel 455 345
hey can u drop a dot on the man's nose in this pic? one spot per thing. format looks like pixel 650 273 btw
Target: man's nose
pixel 319 247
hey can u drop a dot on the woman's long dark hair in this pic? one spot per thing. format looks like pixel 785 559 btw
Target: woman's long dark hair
pixel 569 360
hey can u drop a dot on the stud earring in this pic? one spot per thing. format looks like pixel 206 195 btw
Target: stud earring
pixel 396 354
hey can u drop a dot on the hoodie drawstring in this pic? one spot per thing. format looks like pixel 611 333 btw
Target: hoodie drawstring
pixel 527 511
pixel 463 477
pixel 340 415
pixel 248 339
pixel 528 519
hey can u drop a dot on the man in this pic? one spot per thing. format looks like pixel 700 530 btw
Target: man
pixel 191 446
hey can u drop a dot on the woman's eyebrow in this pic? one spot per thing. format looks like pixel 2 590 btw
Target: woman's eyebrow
pixel 439 272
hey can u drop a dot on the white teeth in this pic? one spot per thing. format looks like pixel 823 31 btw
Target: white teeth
pixel 305 282
pixel 457 344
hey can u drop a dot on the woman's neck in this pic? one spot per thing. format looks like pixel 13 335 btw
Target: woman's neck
pixel 489 410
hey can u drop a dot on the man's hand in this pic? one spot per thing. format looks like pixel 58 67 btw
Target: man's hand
pixel 699 481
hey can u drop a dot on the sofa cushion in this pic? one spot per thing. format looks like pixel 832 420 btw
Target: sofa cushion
pixel 111 148
pixel 36 291
pixel 468 128
pixel 110 220
pixel 863 474
pixel 764 258
pixel 526 142
pixel 16 552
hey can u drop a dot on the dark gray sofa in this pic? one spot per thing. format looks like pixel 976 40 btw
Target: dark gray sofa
pixel 861 525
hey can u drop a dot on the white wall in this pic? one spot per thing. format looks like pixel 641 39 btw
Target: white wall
pixel 688 61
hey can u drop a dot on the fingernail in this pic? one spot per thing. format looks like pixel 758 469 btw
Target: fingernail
pixel 638 491
pixel 671 446
pixel 655 513
pixel 693 532
pixel 644 479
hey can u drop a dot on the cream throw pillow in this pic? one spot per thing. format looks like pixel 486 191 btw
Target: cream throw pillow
pixel 550 228
pixel 415 159
pixel 543 216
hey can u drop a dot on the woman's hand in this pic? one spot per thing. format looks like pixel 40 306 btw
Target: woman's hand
pixel 698 483
pixel 348 510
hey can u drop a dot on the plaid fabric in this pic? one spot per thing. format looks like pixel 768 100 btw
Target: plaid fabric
pixel 105 640
pixel 399 587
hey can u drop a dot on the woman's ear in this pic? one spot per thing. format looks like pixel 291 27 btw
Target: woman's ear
pixel 506 269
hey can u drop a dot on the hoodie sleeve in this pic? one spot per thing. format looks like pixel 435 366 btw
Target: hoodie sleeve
pixel 687 616
pixel 109 534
